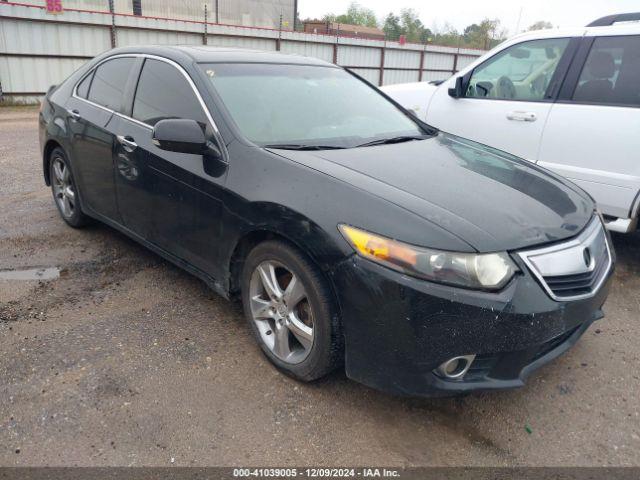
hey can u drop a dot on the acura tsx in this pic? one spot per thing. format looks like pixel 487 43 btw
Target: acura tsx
pixel 353 233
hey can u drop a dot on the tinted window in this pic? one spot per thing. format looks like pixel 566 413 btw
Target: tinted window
pixel 307 105
pixel 109 81
pixel 163 92
pixel 611 74
pixel 83 86
pixel 520 72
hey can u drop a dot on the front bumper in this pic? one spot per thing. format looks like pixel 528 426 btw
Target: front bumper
pixel 398 329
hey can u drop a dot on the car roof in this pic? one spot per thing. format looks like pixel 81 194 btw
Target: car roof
pixel 624 28
pixel 209 54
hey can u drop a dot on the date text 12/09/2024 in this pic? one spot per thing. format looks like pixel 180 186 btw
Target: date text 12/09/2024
pixel 316 473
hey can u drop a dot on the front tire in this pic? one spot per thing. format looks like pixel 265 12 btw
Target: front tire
pixel 291 311
pixel 64 189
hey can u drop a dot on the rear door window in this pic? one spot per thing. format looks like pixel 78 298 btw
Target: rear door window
pixel 611 73
pixel 109 81
pixel 163 92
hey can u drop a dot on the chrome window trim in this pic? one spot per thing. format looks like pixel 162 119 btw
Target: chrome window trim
pixel 591 230
pixel 143 124
pixel 74 93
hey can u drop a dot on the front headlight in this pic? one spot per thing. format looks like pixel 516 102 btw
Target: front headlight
pixel 486 271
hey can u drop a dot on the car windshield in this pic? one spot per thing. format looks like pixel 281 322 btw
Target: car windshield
pixel 300 106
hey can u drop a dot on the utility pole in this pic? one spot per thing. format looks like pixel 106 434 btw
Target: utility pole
pixel 518 24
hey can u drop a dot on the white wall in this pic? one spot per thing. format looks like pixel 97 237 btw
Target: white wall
pixel 38 49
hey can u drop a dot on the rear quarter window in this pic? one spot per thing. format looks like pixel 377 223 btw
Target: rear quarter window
pixel 82 89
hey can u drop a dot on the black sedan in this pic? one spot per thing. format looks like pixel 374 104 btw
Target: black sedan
pixel 353 233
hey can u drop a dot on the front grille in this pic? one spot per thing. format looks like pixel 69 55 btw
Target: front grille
pixel 580 283
pixel 574 269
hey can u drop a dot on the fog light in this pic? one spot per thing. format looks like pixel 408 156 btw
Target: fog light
pixel 455 368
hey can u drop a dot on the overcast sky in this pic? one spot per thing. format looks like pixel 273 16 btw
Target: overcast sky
pixel 460 13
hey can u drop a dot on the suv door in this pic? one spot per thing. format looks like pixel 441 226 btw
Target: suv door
pixel 507 98
pixel 90 109
pixel 592 135
pixel 166 197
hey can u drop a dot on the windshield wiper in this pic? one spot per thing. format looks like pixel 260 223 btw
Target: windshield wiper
pixel 400 139
pixel 296 146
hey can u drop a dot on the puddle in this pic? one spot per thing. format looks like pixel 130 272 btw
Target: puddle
pixel 44 273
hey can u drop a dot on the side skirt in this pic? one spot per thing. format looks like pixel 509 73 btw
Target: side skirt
pixel 211 282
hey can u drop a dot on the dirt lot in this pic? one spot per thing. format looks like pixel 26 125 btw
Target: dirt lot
pixel 127 360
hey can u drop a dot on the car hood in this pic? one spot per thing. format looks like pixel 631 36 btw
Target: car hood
pixel 491 200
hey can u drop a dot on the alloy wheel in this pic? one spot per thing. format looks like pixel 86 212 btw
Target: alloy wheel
pixel 281 311
pixel 63 188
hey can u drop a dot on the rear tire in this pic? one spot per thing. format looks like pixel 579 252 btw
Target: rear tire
pixel 64 189
pixel 291 311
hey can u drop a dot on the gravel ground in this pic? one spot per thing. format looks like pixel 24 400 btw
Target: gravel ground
pixel 127 360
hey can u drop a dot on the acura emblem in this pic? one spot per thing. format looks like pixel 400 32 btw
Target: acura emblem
pixel 586 254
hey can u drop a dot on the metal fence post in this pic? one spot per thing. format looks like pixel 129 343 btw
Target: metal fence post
pixel 204 34
pixel 113 24
pixel 335 45
pixel 295 15
pixel 279 41
pixel 422 62
pixel 455 59
pixel 382 50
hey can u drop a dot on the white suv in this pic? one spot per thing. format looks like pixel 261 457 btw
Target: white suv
pixel 568 100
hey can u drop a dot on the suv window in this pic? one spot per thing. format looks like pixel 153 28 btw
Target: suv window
pixel 109 80
pixel 163 92
pixel 611 74
pixel 520 72
pixel 83 87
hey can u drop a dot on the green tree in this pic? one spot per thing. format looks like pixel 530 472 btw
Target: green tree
pixel 412 26
pixel 391 27
pixel 356 15
pixel 485 35
pixel 449 36
pixel 541 25
pixel 407 24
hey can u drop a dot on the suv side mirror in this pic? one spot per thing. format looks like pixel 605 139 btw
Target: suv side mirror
pixel 179 135
pixel 458 90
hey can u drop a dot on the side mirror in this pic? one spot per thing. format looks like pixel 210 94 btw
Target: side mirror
pixel 458 90
pixel 179 135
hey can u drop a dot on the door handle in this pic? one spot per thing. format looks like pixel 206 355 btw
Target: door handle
pixel 75 114
pixel 127 142
pixel 522 116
